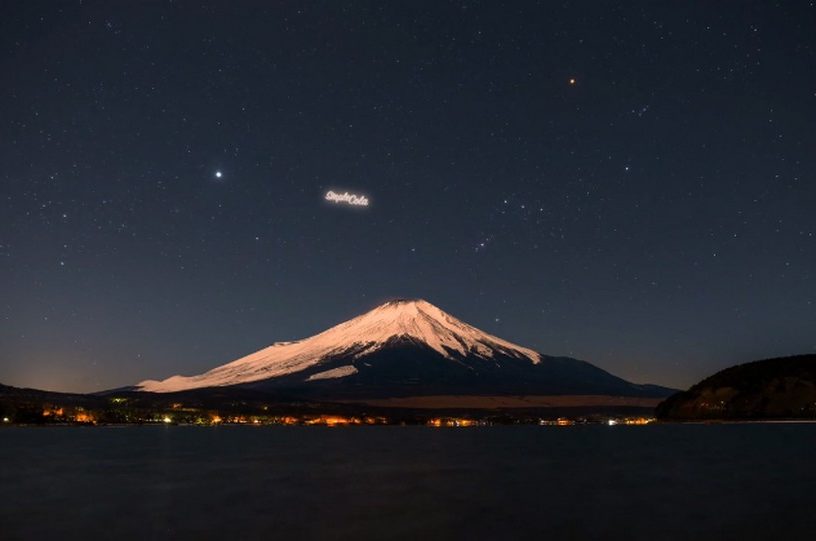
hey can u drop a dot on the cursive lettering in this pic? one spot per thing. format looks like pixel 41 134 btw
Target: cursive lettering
pixel 348 198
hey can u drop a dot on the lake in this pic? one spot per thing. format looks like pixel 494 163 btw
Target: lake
pixel 749 481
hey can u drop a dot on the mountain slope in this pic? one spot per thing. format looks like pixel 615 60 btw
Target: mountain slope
pixel 780 388
pixel 401 348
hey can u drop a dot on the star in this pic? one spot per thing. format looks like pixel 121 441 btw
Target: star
pixel 218 174
pixel 572 81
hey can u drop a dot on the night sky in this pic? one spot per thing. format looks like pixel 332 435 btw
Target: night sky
pixel 633 184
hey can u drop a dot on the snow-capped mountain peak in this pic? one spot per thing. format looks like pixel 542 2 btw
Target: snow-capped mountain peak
pixel 423 322
pixel 415 320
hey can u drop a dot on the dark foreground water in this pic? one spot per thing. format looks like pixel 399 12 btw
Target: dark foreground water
pixel 273 483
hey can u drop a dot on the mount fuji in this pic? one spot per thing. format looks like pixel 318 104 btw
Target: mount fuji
pixel 406 348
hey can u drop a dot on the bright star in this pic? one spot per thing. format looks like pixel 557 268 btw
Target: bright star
pixel 218 174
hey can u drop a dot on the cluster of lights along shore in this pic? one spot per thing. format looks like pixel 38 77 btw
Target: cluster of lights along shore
pixel 119 412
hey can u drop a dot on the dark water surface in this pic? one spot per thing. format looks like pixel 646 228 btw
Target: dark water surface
pixel 238 483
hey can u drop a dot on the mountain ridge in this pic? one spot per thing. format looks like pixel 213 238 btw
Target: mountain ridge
pixel 775 388
pixel 401 347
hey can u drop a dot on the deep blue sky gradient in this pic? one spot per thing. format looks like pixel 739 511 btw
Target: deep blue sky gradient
pixel 656 218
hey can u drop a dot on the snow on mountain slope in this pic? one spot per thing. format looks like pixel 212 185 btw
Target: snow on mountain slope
pixel 341 372
pixel 417 320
